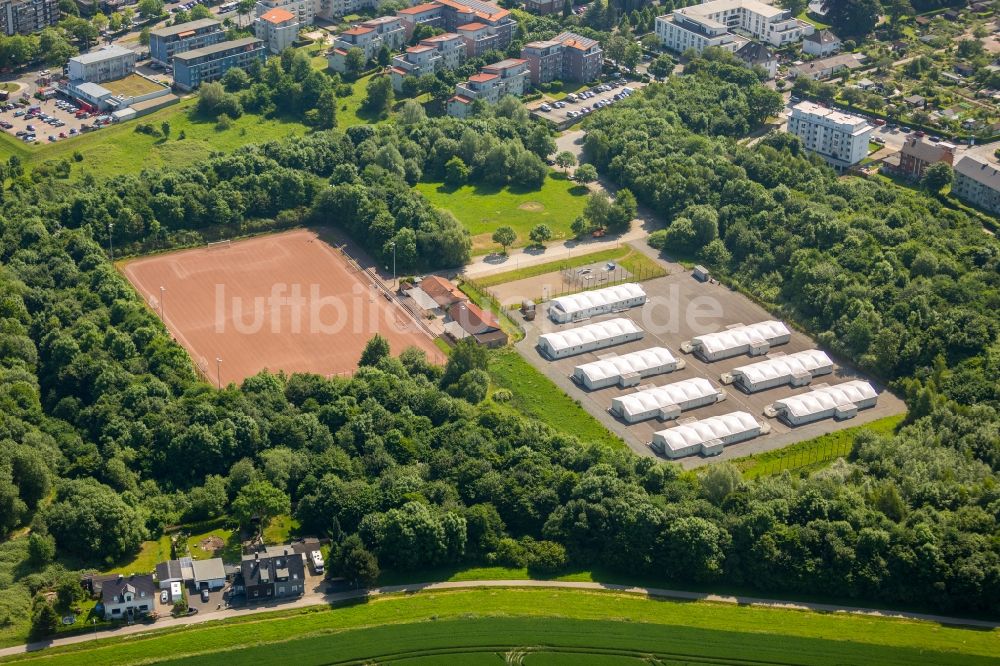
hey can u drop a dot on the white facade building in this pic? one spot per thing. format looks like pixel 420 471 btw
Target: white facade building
pixel 209 574
pixel 304 10
pixel 278 28
pixel 665 402
pixel 753 339
pixel 823 402
pixel 107 64
pixel 839 138
pixel 600 301
pixel 797 369
pixel 589 338
pixel 715 23
pixel 707 436
pixel 625 370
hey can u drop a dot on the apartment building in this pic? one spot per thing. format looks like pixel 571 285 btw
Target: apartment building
pixel 839 138
pixel 918 153
pixel 278 28
pixel 23 17
pixel 716 22
pixel 445 51
pixel 478 38
pixel 369 36
pixel 507 77
pixel 210 63
pixel 330 9
pixel 978 183
pixel 164 43
pixel 305 11
pixel 543 7
pixel 565 57
pixel 107 64
pixel 450 15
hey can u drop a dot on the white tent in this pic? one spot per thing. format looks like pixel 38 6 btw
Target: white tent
pixel 665 402
pixel 587 338
pixel 707 436
pixel 841 402
pixel 625 370
pixel 599 301
pixel 753 339
pixel 797 369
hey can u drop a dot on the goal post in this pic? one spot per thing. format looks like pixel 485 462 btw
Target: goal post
pixel 218 245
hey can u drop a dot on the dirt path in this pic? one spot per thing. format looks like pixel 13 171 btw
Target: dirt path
pixel 316 598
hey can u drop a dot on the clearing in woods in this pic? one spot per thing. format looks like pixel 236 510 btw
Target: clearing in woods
pixel 286 301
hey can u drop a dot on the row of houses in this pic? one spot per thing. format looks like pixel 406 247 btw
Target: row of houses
pixel 437 297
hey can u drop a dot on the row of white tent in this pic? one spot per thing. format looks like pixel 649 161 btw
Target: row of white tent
pixel 796 369
pixel 752 339
pixel 588 338
pixel 626 370
pixel 575 307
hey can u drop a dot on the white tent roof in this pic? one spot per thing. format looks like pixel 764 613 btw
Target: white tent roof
pixel 783 366
pixel 705 430
pixel 597 298
pixel 741 335
pixel 590 333
pixel 638 361
pixel 827 397
pixel 661 396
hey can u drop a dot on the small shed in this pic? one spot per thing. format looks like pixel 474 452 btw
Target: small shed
pixel 665 402
pixel 209 574
pixel 121 115
pixel 625 370
pixel 797 369
pixel 707 436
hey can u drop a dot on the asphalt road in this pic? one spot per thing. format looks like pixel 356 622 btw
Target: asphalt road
pixel 663 593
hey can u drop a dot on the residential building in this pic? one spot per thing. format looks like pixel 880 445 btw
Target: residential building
pixel 821 43
pixel 329 9
pixel 542 7
pixel 23 17
pixel 476 323
pixel 918 153
pixel 715 23
pixel 369 36
pixel 839 138
pixel 274 573
pixel 978 183
pixel 180 571
pixel 507 77
pixel 755 54
pixel 126 598
pixel 209 574
pixel 450 15
pixel 199 574
pixel 565 57
pixel 210 63
pixel 441 291
pixel 824 68
pixel 107 64
pixel 304 10
pixel 478 38
pixel 278 28
pixel 165 42
pixel 445 51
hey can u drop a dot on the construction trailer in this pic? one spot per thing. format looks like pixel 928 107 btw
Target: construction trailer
pixel 625 370
pixel 706 436
pixel 798 369
pixel 842 401
pixel 666 402
pixel 752 339
pixel 575 307
pixel 591 337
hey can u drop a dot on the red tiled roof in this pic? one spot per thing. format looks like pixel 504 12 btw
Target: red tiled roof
pixel 340 52
pixel 419 48
pixel 460 99
pixel 482 78
pixel 442 291
pixel 358 31
pixel 473 319
pixel 277 15
pixel 472 26
pixel 398 70
pixel 419 9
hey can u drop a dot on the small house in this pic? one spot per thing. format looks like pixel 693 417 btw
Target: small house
pixel 478 323
pixel 915 101
pixel 821 43
pixel 127 598
pixel 278 572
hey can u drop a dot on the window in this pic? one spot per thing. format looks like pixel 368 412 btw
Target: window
pixel 116 611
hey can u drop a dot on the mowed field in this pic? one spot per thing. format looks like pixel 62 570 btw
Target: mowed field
pixel 286 301
pixel 540 626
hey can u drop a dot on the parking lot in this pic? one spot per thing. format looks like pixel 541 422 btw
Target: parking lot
pixel 576 106
pixel 678 308
pixel 52 119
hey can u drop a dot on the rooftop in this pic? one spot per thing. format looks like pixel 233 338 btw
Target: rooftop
pixel 472 318
pixel 832 115
pixel 505 64
pixel 573 40
pixel 927 151
pixel 171 30
pixel 218 48
pixel 277 15
pixel 358 30
pixel 824 37
pixel 420 9
pixel 979 170
pixel 101 55
pixel 473 26
pixel 482 77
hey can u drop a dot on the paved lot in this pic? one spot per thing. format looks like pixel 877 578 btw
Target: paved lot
pixel 678 308
pixel 550 285
pixel 561 116
pixel 42 129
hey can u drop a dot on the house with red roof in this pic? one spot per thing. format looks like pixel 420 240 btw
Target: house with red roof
pixel 507 77
pixel 278 28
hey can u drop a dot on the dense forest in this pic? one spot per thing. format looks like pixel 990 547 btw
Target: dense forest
pixel 107 436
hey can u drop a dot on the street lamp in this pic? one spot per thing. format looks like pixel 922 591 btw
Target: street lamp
pixel 111 240
pixel 162 291
pixel 218 370
pixel 393 243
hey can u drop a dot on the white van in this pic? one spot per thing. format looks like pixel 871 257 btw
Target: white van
pixel 317 560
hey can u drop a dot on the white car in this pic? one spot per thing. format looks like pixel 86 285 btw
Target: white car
pixel 545 107
pixel 317 561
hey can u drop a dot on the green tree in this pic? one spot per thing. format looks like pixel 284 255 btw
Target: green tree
pixel 598 210
pixel 91 520
pixel 565 160
pixel 358 564
pixel 144 36
pixel 852 18
pixel 150 8
pixel 41 548
pixel 379 96
pixel 165 128
pixel 504 237
pixel 456 173
pixel 795 7
pixel 586 173
pixel 540 234
pixel 662 66
pixel 375 350
pixel 44 619
pixel 937 176
pixel 719 482
pixel 467 355
pixel 199 12
pixel 259 501
pixel 354 62
pixel 567 9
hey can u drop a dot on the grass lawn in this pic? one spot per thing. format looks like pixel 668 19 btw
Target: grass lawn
pixel 230 552
pixel 484 625
pixel 629 258
pixel 482 208
pixel 536 395
pixel 150 554
pixel 809 17
pixel 487 302
pixel 119 149
pixel 812 454
pixel 280 530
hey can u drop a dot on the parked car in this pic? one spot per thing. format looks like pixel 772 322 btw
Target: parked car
pixel 164 596
pixel 31 128
pixel 545 107
pixel 204 596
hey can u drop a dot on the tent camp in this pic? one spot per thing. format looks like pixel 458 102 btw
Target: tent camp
pixel 665 402
pixel 625 370
pixel 588 338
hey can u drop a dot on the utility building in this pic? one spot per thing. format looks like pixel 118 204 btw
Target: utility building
pixel 589 338
pixel 796 369
pixel 592 303
pixel 666 402
pixel 823 402
pixel 753 339
pixel 707 436
pixel 625 370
